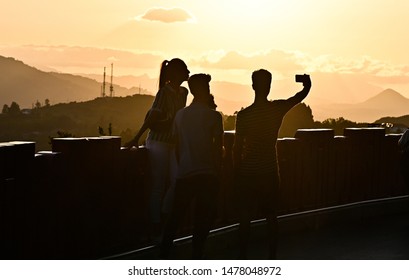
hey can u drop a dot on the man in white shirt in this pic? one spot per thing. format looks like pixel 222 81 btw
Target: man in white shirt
pixel 198 131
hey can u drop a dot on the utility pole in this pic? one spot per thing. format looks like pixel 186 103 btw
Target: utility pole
pixel 111 88
pixel 103 85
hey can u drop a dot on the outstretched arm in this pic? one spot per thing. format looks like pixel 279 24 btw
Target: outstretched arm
pixel 299 96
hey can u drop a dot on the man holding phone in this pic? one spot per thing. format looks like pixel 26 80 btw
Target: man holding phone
pixel 255 156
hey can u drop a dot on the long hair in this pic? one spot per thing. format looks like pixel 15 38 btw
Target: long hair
pixel 169 70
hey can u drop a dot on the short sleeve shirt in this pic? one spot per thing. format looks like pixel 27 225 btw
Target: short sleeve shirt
pixel 169 102
pixel 259 124
pixel 195 127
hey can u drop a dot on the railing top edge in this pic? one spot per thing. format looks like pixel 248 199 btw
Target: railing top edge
pixel 16 143
pixel 314 129
pixel 364 128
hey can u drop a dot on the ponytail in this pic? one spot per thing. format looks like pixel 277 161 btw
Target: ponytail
pixel 163 76
pixel 169 70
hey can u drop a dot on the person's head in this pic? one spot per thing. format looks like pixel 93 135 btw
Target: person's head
pixel 261 81
pixel 199 86
pixel 212 104
pixel 173 71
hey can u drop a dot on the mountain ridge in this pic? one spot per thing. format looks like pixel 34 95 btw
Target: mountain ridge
pixel 26 85
pixel 388 95
pixel 387 103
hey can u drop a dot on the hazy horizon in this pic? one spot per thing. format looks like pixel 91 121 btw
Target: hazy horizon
pixel 351 54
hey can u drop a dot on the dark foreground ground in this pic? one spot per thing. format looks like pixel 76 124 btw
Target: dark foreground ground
pixel 376 230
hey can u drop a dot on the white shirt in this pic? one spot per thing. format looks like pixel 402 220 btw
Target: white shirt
pixel 195 128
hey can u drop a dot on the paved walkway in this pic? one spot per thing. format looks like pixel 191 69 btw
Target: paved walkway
pixel 372 231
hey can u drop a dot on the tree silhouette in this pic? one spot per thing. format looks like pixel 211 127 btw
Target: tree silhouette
pixel 110 129
pixel 229 122
pixel 37 105
pixel 298 117
pixel 339 124
pixel 5 109
pixel 101 131
pixel 14 109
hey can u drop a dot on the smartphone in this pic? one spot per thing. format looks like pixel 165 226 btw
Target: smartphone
pixel 299 78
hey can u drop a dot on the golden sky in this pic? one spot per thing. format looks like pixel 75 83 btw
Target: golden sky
pixel 226 38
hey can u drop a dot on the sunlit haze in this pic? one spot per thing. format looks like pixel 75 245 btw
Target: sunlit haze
pixel 352 49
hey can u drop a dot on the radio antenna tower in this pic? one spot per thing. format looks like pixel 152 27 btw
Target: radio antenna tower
pixel 111 88
pixel 103 85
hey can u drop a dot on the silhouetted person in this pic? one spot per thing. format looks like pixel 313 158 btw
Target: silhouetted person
pixel 198 135
pixel 170 98
pixel 255 158
pixel 212 104
pixel 404 161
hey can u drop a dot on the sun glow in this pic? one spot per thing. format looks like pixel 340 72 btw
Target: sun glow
pixel 362 42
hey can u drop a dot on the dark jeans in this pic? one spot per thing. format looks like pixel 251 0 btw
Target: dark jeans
pixel 257 193
pixel 202 189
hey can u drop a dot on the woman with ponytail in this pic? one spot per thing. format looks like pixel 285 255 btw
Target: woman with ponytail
pixel 170 98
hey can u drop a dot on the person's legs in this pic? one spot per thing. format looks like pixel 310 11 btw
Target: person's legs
pixel 246 203
pixel 159 167
pixel 268 199
pixel 261 191
pixel 206 187
pixel 169 196
pixel 183 197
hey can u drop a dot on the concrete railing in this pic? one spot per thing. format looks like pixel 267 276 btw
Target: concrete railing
pixel 87 198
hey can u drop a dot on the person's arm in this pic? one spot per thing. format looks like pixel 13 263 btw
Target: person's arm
pixel 299 96
pixel 152 117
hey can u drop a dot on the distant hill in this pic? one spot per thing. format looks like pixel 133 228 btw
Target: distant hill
pixel 129 81
pixel 388 100
pixel 124 114
pixel 25 85
pixel 398 121
pixel 81 119
pixel 387 103
pixel 229 97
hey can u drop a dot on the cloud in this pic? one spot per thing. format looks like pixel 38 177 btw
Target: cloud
pixel 60 57
pixel 273 60
pixel 167 15
pixel 363 65
pixel 285 62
